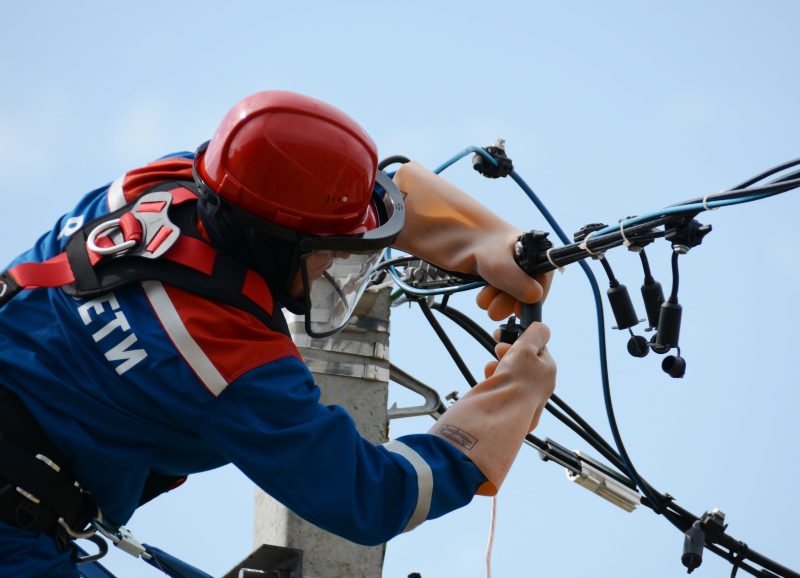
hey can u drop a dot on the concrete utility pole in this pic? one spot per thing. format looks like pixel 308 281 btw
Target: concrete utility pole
pixel 352 370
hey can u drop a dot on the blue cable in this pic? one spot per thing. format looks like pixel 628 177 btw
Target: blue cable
pixel 443 290
pixel 424 292
pixel 462 154
pixel 678 209
pixel 601 335
pixel 598 305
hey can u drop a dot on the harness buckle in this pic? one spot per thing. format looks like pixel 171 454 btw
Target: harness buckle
pixel 154 233
pixel 123 539
pixel 91 241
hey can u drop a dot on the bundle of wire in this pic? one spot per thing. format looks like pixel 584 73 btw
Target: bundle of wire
pixel 640 229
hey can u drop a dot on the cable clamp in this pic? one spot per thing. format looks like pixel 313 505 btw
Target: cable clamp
pixel 598 482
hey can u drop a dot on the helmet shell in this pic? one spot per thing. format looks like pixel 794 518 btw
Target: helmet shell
pixel 294 161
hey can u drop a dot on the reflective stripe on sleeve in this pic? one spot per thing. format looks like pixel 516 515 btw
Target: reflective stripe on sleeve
pixel 424 482
pixel 183 341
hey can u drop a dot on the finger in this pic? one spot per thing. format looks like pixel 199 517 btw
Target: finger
pixel 536 336
pixel 489 369
pixel 545 280
pixel 501 349
pixel 511 279
pixel 485 296
pixel 502 306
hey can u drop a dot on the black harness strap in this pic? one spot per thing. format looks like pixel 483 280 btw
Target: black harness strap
pixel 185 259
pixel 37 487
pixel 155 239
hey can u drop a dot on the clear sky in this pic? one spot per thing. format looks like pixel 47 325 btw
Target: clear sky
pixel 608 109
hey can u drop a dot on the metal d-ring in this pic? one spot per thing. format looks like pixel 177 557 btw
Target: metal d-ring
pixel 103 227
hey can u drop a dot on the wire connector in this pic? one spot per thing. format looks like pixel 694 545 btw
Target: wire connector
pixel 599 482
pixel 594 476
pixel 531 250
pixel 489 170
pixel 686 234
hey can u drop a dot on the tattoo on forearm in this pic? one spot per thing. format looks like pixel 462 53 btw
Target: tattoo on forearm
pixel 458 436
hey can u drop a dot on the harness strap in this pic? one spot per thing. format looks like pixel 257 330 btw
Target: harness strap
pixel 37 488
pixel 132 244
pixel 154 237
pixel 57 271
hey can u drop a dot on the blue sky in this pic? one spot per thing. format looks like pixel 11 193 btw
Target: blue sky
pixel 608 109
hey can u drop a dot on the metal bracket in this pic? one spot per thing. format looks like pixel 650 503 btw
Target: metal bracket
pixel 373 350
pixel 433 405
pixel 368 371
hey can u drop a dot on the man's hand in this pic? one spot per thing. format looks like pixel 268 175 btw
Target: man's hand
pixel 501 305
pixel 447 227
pixel 490 422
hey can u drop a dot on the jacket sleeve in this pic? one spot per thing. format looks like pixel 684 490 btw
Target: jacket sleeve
pixel 310 457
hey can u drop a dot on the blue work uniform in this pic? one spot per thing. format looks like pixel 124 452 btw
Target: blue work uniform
pixel 153 378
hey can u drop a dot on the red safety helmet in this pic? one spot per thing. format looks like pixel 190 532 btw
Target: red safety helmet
pixel 294 161
pixel 290 167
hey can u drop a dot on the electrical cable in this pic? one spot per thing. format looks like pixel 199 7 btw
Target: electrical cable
pixel 451 349
pixel 660 503
pixel 768 173
pixel 583 428
pixel 395 159
pixel 673 297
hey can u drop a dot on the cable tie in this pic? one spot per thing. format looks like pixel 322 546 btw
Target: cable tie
pixel 705 203
pixel 585 247
pixel 627 243
pixel 553 263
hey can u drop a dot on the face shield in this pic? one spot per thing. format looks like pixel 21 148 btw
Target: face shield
pixel 336 269
pixel 334 282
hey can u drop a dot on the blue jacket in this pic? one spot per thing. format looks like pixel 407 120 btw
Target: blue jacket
pixel 154 378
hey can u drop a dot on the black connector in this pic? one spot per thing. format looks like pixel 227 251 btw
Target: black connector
pixel 687 234
pixel 510 331
pixel 621 305
pixel 653 297
pixel 586 230
pixel 488 169
pixel 531 250
pixel 693 544
pixel 669 325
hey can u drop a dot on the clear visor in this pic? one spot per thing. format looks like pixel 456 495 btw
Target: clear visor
pixel 334 282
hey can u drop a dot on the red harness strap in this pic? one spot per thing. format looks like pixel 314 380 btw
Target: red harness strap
pixel 57 272
pixel 144 230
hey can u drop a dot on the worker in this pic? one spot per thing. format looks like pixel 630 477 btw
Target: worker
pixel 142 338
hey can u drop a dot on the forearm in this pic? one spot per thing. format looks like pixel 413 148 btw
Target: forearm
pixel 447 227
pixel 437 215
pixel 311 458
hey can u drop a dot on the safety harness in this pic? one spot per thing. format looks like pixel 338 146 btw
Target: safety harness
pixel 155 237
